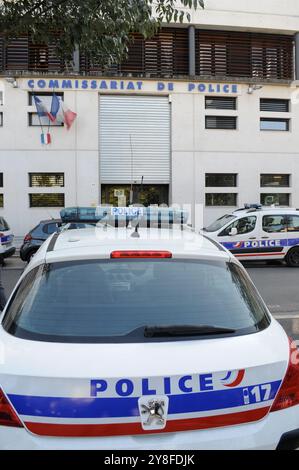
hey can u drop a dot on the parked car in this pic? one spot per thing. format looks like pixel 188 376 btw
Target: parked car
pixel 7 248
pixel 259 233
pixel 36 237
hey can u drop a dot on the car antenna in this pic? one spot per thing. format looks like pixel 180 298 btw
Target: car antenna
pixel 131 187
pixel 136 234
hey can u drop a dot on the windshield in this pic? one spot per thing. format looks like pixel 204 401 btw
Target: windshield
pixel 115 300
pixel 219 223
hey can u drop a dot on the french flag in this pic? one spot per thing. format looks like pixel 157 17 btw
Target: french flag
pixel 61 112
pixel 45 138
pixel 42 109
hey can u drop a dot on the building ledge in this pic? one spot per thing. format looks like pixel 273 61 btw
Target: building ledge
pixel 129 76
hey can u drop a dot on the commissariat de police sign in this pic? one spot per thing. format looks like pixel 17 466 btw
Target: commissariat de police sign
pixel 131 85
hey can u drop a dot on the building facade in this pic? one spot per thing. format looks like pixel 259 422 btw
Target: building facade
pixel 205 114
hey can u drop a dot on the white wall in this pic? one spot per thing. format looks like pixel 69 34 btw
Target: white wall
pixel 195 150
pixel 246 151
pixel 263 15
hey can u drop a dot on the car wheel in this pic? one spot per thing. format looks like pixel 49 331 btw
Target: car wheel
pixel 292 258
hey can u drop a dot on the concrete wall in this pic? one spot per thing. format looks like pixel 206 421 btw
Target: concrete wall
pixel 263 15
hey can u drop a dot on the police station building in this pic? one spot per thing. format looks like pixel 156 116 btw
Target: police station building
pixel 205 113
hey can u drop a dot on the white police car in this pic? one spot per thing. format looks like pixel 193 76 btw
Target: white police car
pixel 7 248
pixel 260 233
pixel 153 341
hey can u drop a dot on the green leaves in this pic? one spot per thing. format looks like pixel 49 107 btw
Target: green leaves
pixel 101 28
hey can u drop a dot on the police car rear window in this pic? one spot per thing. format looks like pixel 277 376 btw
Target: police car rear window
pixel 114 300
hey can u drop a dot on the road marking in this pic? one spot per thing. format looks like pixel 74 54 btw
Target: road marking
pixel 286 316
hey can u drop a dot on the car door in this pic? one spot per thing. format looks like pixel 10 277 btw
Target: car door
pixel 293 230
pixel 274 236
pixel 245 243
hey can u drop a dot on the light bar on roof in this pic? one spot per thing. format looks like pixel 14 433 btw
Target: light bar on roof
pixel 149 215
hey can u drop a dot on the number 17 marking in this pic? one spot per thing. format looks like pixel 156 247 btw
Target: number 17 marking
pixel 261 392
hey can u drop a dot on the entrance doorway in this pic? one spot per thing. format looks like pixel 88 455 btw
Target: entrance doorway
pixel 148 194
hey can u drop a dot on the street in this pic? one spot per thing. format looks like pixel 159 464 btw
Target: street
pixel 277 284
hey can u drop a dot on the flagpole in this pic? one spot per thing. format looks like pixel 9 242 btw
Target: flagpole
pixel 40 122
pixel 48 116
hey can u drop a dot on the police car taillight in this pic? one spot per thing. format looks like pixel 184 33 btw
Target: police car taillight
pixel 140 254
pixel 288 394
pixel 8 416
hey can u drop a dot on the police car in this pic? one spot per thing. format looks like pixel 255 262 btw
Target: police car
pixel 136 338
pixel 7 248
pixel 259 233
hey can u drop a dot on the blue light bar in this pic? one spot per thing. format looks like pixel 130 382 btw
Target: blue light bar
pixel 253 206
pixel 109 214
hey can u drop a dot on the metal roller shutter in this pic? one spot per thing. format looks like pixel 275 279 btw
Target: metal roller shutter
pixel 147 120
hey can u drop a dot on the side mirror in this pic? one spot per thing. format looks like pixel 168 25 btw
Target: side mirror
pixel 233 232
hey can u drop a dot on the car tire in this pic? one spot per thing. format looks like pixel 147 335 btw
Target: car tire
pixel 292 258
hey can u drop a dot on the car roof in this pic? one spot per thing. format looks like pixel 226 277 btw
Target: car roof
pixel 270 211
pixel 49 221
pixel 99 242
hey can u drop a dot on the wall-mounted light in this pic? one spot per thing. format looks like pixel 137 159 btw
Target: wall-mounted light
pixel 253 88
pixel 12 81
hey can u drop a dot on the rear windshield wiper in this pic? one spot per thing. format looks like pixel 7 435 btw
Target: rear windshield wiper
pixel 185 330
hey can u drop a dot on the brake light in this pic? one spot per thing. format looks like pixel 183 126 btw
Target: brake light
pixel 27 238
pixel 1 235
pixel 288 394
pixel 8 416
pixel 141 254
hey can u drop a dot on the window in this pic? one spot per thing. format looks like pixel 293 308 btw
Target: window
pixel 221 180
pixel 1 180
pixel 220 102
pixel 244 54
pixel 165 54
pixel 244 225
pixel 46 180
pixel 51 228
pixel 273 124
pixel 279 199
pixel 221 122
pixel 219 223
pixel 268 180
pixel 43 58
pixel 34 119
pixel 46 200
pixel 1 95
pixel 114 301
pixel 3 225
pixel 293 223
pixel 1 200
pixel 1 119
pixel 221 199
pixel 279 106
pixel 275 223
